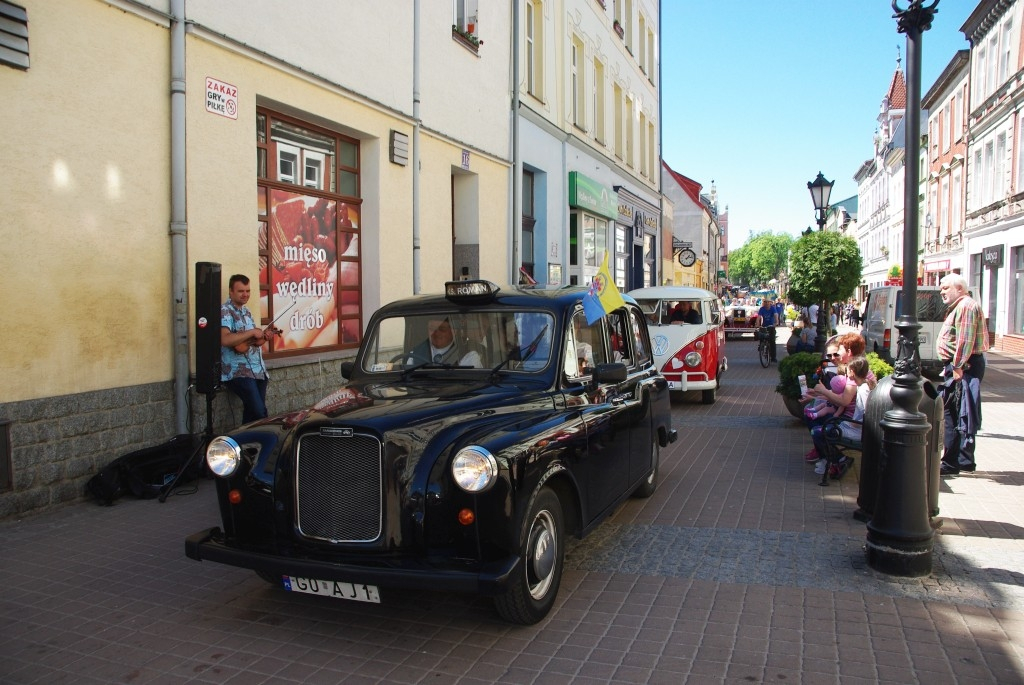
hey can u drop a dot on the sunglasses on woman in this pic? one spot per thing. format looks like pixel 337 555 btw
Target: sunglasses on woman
pixel 832 355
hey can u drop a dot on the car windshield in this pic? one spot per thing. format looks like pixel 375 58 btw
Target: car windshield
pixel 505 339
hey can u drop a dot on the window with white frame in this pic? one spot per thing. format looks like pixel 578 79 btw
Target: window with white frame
pixel 465 17
pixel 977 181
pixel 577 83
pixel 946 123
pixel 980 69
pixel 1006 48
pixel 993 64
pixel 627 24
pixel 652 153
pixel 620 139
pixel 641 48
pixel 643 144
pixel 1019 152
pixel 944 206
pixel 999 181
pixel 958 116
pixel 652 68
pixel 599 104
pixel 956 221
pixel 630 145
pixel 535 48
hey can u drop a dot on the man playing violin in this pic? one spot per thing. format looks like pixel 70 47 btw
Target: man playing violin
pixel 242 367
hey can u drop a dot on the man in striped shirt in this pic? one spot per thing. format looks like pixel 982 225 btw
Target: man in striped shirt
pixel 960 344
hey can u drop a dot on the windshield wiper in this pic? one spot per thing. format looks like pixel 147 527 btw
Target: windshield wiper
pixel 522 354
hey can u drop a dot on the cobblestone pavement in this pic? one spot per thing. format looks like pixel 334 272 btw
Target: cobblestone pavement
pixel 739 569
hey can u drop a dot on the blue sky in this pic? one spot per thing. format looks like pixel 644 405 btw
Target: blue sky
pixel 760 95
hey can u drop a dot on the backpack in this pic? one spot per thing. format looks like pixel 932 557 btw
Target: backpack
pixel 146 472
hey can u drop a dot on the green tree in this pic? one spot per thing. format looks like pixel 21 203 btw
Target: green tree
pixel 760 259
pixel 824 268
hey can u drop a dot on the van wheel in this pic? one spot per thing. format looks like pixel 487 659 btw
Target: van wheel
pixel 709 396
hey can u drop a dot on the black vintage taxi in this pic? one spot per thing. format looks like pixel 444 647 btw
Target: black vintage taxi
pixel 475 432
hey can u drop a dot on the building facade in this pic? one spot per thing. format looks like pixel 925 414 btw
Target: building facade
pixel 589 140
pixel 336 165
pixel 338 160
pixel 944 154
pixel 994 222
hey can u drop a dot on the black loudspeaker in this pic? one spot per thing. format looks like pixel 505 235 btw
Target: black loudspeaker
pixel 207 327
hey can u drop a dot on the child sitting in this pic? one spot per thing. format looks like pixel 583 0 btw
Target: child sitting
pixel 821 408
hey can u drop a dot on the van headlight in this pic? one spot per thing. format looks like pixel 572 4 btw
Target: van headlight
pixel 474 469
pixel 692 359
pixel 223 456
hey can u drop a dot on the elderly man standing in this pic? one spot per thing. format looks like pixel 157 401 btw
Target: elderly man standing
pixel 960 345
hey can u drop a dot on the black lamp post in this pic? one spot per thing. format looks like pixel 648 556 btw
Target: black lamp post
pixel 899 538
pixel 820 190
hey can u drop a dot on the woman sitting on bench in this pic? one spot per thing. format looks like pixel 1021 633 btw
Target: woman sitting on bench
pixel 845 428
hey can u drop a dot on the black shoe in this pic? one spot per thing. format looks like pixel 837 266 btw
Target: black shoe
pixel 947 470
pixel 967 468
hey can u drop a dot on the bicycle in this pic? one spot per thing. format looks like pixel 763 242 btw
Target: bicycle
pixel 764 352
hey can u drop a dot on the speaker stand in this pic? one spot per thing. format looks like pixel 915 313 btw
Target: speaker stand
pixel 166 490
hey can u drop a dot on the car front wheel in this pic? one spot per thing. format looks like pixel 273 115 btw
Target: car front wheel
pixel 532 590
pixel 650 484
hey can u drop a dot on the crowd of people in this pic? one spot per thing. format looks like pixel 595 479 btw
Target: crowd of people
pixel 837 393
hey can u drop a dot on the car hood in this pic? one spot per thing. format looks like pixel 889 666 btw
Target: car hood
pixel 386 405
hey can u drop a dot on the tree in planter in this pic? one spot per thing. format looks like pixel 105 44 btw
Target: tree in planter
pixel 824 267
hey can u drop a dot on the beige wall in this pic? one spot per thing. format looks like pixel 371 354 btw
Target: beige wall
pixel 85 268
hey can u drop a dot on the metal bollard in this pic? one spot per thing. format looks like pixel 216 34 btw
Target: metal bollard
pixel 880 402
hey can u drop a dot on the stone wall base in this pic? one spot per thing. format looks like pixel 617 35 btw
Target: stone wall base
pixel 58 443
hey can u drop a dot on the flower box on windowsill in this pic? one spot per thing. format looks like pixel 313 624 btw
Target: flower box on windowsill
pixel 619 30
pixel 466 38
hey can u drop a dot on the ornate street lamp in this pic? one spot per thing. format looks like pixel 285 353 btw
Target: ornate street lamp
pixel 899 538
pixel 820 191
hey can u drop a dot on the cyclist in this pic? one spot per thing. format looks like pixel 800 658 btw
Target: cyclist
pixel 769 315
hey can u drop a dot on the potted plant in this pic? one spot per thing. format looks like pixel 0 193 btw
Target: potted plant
pixel 618 28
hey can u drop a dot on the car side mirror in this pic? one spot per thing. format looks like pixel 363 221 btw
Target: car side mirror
pixel 347 368
pixel 614 372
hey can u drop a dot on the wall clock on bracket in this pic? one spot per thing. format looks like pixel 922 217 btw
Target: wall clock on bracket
pixel 687 257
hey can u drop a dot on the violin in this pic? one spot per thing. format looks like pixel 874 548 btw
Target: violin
pixel 267 333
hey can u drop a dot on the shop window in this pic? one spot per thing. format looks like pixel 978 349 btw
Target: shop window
pixel 308 235
pixel 1017 306
pixel 13 35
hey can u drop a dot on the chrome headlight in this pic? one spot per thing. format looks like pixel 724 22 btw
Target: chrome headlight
pixel 223 456
pixel 474 469
pixel 692 359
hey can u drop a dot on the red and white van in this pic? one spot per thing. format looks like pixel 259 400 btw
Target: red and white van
pixel 689 353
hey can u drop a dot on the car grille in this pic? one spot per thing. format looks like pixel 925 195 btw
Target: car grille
pixel 338 487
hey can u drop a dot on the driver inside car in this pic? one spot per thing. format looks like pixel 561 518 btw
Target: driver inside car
pixel 440 347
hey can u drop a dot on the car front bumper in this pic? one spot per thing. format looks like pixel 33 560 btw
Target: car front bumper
pixel 489 578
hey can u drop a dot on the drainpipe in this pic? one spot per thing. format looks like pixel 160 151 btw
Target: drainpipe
pixel 416 147
pixel 517 161
pixel 178 224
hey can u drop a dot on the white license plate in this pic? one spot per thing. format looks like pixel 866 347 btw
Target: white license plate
pixel 333 588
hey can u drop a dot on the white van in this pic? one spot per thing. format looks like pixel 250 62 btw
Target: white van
pixel 882 311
